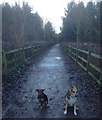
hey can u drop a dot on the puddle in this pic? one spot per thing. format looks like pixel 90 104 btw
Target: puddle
pixel 49 65
pixel 58 58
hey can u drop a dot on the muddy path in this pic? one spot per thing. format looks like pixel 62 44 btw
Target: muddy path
pixel 55 73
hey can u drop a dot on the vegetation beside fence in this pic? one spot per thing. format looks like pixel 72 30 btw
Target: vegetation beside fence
pixel 11 60
pixel 85 60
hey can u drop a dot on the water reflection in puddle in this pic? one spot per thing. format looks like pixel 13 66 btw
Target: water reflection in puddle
pixel 51 62
pixel 58 58
pixel 49 65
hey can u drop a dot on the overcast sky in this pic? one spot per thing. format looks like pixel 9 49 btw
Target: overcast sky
pixel 51 10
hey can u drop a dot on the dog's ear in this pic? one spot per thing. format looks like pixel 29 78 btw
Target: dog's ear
pixel 43 90
pixel 37 90
pixel 77 88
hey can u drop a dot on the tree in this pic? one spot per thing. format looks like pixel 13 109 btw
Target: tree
pixel 81 24
pixel 22 27
pixel 49 33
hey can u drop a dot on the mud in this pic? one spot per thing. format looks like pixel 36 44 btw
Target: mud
pixel 54 72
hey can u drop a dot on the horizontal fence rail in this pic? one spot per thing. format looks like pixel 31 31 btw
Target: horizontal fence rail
pixel 12 59
pixel 84 59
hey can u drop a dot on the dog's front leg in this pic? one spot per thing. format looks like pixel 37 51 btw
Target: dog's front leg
pixel 40 103
pixel 40 106
pixel 66 107
pixel 46 104
pixel 75 108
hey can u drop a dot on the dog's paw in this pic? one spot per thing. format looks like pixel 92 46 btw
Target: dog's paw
pixel 40 107
pixel 65 112
pixel 77 108
pixel 75 113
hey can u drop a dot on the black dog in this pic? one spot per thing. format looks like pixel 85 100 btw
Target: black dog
pixel 42 98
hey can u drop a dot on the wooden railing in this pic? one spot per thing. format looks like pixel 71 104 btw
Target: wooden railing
pixel 85 60
pixel 12 59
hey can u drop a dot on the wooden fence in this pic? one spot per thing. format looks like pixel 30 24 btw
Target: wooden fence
pixel 12 59
pixel 88 61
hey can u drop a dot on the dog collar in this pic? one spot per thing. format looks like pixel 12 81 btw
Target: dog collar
pixel 41 96
pixel 73 96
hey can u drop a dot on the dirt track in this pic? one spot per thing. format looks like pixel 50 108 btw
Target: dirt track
pixel 55 73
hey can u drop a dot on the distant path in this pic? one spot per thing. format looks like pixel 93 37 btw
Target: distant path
pixel 55 73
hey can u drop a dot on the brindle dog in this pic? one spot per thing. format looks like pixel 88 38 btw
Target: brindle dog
pixel 42 98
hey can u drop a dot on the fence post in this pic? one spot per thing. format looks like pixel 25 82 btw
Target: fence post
pixel 67 49
pixel 101 72
pixel 76 55
pixel 34 54
pixel 37 52
pixel 32 51
pixel 71 50
pixel 88 61
pixel 27 53
pixel 4 62
pixel 101 78
pixel 23 54
pixel 15 58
